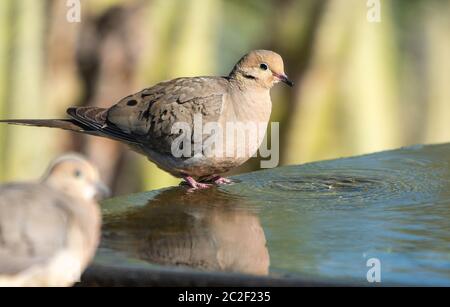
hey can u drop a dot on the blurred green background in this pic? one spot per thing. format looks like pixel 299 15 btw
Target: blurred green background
pixel 360 86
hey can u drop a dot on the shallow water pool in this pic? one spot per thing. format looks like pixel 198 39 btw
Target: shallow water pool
pixel 318 221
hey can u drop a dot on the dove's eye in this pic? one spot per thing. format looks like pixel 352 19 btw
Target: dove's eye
pixel 77 173
pixel 263 66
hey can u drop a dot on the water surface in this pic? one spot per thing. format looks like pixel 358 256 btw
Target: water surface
pixel 320 221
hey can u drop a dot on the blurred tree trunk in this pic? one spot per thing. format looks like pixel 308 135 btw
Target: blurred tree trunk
pixel 296 43
pixel 26 148
pixel 5 70
pixel 62 83
pixel 348 94
pixel 108 53
pixel 438 73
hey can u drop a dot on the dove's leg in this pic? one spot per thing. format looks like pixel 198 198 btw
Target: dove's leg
pixel 194 184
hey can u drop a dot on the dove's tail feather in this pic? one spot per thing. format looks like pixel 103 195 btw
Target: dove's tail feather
pixel 66 124
pixel 87 120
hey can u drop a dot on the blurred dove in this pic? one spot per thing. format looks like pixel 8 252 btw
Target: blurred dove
pixel 49 230
pixel 145 120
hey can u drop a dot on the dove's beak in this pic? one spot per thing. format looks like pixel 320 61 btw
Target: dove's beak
pixel 283 78
pixel 102 191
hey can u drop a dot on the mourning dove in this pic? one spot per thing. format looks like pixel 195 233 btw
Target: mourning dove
pixel 145 120
pixel 49 230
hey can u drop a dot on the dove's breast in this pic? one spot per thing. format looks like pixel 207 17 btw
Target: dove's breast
pixel 244 121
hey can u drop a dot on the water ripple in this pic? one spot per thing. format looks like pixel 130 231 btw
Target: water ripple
pixel 343 185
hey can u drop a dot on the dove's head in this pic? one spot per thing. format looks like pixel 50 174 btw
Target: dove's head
pixel 262 68
pixel 75 176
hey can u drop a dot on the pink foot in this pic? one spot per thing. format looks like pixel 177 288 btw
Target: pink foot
pixel 221 180
pixel 194 184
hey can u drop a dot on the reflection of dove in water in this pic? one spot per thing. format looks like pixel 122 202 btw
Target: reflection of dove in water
pixel 49 230
pixel 144 120
pixel 175 229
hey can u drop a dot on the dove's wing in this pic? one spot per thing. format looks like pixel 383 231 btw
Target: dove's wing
pixel 146 118
pixel 34 225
